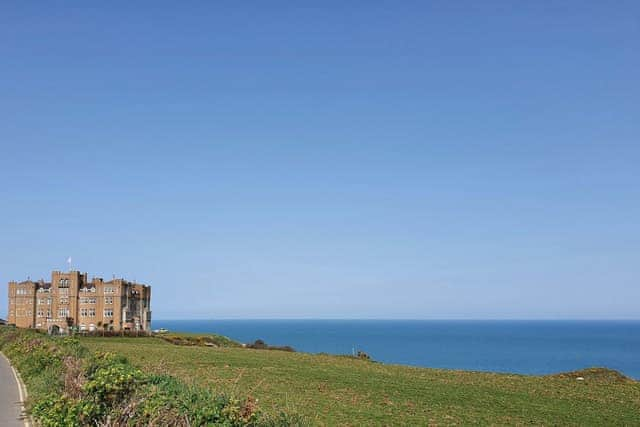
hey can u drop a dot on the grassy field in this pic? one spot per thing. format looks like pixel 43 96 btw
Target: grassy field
pixel 332 390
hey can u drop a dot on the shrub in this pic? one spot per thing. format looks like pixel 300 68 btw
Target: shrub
pixel 211 340
pixel 71 387
pixel 261 345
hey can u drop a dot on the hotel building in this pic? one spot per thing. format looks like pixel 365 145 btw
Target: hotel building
pixel 71 300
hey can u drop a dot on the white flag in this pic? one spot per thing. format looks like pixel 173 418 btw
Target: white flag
pixel 69 260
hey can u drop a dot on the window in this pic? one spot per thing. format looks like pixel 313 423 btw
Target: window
pixel 83 312
pixel 40 313
pixel 92 312
pixel 63 312
pixel 108 290
pixel 108 312
pixel 63 283
pixel 48 314
pixel 64 301
pixel 108 300
pixel 64 291
pixel 88 300
pixel 41 301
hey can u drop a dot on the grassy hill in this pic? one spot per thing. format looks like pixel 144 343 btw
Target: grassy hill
pixel 332 390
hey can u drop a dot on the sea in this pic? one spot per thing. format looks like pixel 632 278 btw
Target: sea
pixel 523 347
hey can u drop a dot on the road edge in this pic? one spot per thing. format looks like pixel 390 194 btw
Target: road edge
pixel 22 391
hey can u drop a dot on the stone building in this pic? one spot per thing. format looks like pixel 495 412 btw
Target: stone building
pixel 71 300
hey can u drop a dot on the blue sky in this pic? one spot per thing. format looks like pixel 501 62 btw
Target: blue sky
pixel 349 159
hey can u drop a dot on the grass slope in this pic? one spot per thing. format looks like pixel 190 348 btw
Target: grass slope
pixel 332 390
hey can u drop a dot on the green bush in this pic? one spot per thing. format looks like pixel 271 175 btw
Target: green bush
pixel 210 340
pixel 71 387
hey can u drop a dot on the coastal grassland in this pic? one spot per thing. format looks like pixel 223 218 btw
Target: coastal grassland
pixel 71 386
pixel 332 390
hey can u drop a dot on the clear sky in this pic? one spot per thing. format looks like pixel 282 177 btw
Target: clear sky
pixel 424 159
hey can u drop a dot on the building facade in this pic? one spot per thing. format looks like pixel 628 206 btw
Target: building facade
pixel 71 300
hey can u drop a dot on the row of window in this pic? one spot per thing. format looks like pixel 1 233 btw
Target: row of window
pixel 22 313
pixel 64 312
pixel 61 291
pixel 87 312
pixel 21 301
pixel 92 300
pixel 91 312
pixel 65 290
pixel 107 290
pixel 63 283
pixel 62 300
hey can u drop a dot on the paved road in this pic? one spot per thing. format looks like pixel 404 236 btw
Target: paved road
pixel 10 405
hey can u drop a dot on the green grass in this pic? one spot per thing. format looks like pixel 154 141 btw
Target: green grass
pixel 332 390
pixel 72 386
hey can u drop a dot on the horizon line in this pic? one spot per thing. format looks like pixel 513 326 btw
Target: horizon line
pixel 585 319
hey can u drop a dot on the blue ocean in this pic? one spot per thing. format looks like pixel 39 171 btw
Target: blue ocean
pixel 525 347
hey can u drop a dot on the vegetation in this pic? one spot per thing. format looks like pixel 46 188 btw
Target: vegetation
pixel 70 386
pixel 331 390
pixel 209 340
pixel 261 345
pixel 148 380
